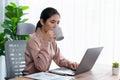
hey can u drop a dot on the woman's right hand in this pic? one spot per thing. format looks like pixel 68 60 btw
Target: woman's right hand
pixel 49 36
pixel 74 65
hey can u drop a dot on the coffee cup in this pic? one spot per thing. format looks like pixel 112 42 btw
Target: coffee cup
pixel 58 33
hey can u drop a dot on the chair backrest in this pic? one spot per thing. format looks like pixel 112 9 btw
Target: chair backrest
pixel 25 28
pixel 14 56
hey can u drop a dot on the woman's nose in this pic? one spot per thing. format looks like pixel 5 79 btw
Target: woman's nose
pixel 55 26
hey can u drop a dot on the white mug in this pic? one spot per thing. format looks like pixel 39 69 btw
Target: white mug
pixel 59 33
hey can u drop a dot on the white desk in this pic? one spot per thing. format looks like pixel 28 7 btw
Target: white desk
pixel 99 72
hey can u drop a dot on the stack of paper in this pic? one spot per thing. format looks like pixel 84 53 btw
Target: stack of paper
pixel 48 76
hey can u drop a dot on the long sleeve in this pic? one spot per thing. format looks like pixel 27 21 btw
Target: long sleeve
pixel 59 59
pixel 37 56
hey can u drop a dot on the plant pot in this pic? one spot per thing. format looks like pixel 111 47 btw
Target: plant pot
pixel 115 71
pixel 2 68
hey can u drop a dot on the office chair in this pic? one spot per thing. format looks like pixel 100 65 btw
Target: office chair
pixel 14 56
pixel 14 51
pixel 25 28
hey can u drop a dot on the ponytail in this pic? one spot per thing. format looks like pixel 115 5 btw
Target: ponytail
pixel 38 25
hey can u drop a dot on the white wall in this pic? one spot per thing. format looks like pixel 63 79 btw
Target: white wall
pixel 85 23
pixel 1 12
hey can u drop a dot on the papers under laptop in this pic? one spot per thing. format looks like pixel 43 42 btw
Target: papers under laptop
pixel 85 65
pixel 48 76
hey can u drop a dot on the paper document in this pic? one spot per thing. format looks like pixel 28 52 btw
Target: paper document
pixel 63 71
pixel 49 76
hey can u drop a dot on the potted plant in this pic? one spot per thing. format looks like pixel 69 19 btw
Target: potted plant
pixel 115 68
pixel 13 16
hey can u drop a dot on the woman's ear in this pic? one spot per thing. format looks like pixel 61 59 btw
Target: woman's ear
pixel 42 22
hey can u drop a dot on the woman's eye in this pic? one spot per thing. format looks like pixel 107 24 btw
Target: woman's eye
pixel 58 22
pixel 55 22
pixel 52 22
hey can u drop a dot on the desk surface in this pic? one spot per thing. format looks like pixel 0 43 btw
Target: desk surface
pixel 98 72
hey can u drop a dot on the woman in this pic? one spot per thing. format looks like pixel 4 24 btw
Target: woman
pixel 41 48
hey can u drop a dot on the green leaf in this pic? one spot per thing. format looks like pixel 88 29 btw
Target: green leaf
pixel 13 4
pixel 7 31
pixel 14 20
pixel 4 25
pixel 9 8
pixel 24 20
pixel 19 12
pixel 2 35
pixel 9 15
pixel 25 7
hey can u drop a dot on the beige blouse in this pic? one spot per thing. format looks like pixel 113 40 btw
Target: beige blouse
pixel 39 54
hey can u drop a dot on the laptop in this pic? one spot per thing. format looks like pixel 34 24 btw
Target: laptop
pixel 85 65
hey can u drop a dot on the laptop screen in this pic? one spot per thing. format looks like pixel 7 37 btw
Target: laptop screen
pixel 89 59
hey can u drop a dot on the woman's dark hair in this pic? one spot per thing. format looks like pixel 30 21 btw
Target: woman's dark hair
pixel 45 14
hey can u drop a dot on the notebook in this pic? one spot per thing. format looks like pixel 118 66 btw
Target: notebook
pixel 85 65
